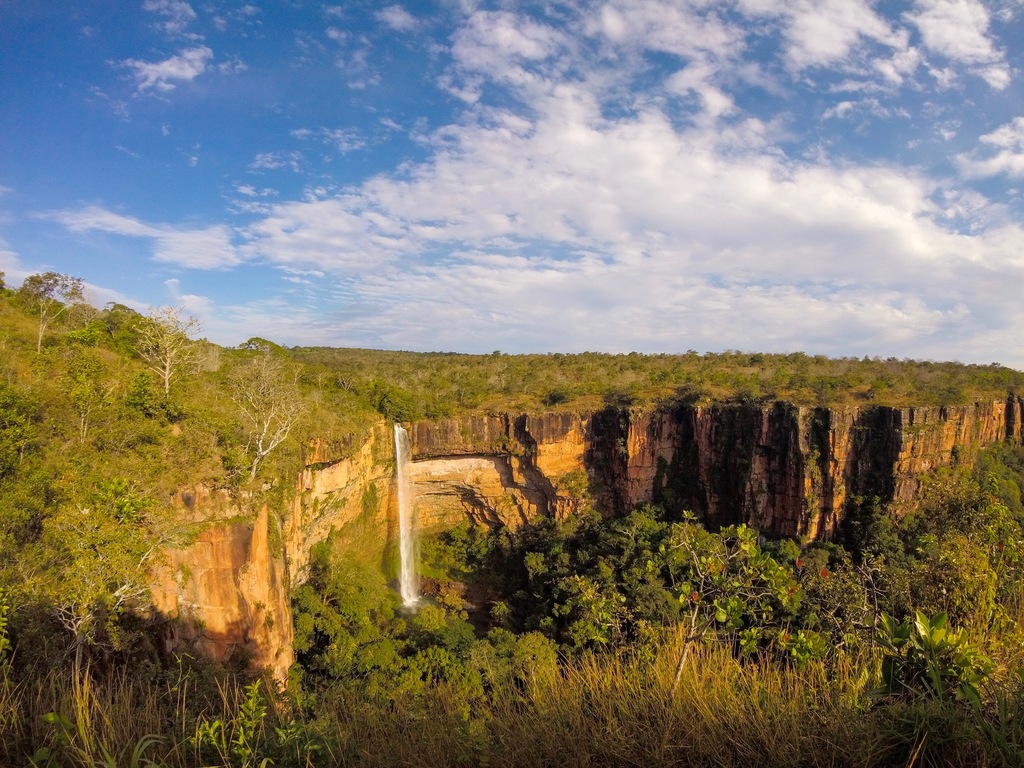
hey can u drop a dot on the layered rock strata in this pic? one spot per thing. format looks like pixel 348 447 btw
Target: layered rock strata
pixel 785 470
pixel 228 591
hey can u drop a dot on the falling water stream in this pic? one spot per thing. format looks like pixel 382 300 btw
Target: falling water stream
pixel 408 582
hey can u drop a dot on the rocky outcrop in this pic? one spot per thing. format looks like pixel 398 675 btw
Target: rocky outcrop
pixel 350 497
pixel 228 590
pixel 785 470
pixel 499 470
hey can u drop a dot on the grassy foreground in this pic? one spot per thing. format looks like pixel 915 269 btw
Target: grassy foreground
pixel 611 710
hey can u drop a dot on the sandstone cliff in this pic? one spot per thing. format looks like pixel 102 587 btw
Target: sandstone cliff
pixel 228 591
pixel 787 471
pixel 784 470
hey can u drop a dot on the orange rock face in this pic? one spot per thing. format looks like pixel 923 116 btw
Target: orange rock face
pixel 787 471
pixel 228 590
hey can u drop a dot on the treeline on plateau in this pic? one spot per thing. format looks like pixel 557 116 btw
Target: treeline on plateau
pixel 407 386
pixel 645 639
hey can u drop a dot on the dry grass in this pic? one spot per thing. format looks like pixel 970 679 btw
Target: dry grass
pixel 597 711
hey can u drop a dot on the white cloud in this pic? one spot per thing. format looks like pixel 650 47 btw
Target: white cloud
pixel 958 30
pixel 206 248
pixel 1008 141
pixel 666 26
pixel 396 17
pixel 195 305
pixel 345 140
pixel 510 49
pixel 698 78
pixel 825 32
pixel 167 74
pixel 178 15
pixel 627 230
pixel 864 108
pixel 14 271
pixel 272 161
pixel 1009 136
pixel 250 191
pixel 631 176
pixel 232 67
pixel 840 110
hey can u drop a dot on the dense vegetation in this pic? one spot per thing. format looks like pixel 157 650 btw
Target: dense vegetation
pixel 641 640
pixel 407 385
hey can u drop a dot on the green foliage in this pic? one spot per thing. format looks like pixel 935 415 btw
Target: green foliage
pixel 142 396
pixel 406 385
pixel 239 742
pixel 393 403
pixel 18 414
pixel 5 614
pixel 513 622
pixel 924 657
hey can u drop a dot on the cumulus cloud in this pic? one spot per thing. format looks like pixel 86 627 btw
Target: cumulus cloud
pixel 1008 158
pixel 177 14
pixel 628 229
pixel 396 17
pixel 167 74
pixel 958 30
pixel 823 32
pixel 206 248
pixel 665 26
pixel 510 49
pixel 633 175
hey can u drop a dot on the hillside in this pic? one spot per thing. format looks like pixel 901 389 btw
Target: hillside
pixel 169 507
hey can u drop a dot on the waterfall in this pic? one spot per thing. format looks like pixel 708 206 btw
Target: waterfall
pixel 409 583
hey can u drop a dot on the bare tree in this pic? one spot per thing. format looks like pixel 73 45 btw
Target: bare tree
pixel 49 295
pixel 270 401
pixel 165 341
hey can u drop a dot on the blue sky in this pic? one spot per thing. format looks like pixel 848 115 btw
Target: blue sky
pixel 840 177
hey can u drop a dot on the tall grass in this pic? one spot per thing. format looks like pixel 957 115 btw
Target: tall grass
pixel 595 711
pixel 602 711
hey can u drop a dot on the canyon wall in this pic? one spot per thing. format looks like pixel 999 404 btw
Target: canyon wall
pixel 785 470
pixel 227 592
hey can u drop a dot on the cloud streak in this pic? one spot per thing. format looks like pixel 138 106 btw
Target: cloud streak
pixel 166 75
pixel 206 248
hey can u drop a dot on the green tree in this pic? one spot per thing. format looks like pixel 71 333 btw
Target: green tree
pixel 86 387
pixel 48 295
pixel 725 581
pixel 17 426
pixel 93 562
